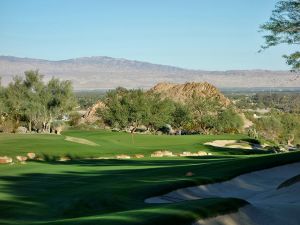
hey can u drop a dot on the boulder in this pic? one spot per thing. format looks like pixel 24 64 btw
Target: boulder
pixel 162 154
pixel 21 158
pixel 64 159
pixel 157 154
pixel 159 133
pixel 138 156
pixel 59 129
pixel 5 160
pixel 201 153
pixel 167 153
pixel 91 115
pixel 21 130
pixel 187 154
pixel 31 155
pixel 189 174
pixel 123 157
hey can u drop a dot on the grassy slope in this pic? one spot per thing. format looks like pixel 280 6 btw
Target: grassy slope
pixel 112 191
pixel 110 144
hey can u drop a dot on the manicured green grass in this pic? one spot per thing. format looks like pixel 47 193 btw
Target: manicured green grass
pixel 110 144
pixel 113 191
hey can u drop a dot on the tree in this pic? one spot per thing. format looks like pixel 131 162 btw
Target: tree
pixel 34 102
pixel 60 99
pixel 283 27
pixel 126 108
pixel 15 100
pixel 3 108
pixel 33 105
pixel 229 121
pixel 159 111
pixel 205 113
pixel 182 116
pixel 116 113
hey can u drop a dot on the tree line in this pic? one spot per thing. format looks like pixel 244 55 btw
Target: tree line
pixel 134 108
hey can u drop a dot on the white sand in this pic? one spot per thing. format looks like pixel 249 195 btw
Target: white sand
pixel 80 141
pixel 229 144
pixel 269 206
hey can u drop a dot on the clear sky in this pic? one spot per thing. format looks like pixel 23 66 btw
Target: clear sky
pixel 197 34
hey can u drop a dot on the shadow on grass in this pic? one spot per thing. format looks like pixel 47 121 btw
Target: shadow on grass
pixel 113 191
pixel 237 151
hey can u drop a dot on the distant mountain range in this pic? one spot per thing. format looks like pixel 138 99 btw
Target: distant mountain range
pixel 104 72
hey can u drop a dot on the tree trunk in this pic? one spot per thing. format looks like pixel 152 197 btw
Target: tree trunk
pixel 29 126
pixel 132 133
pixel 49 125
pixel 291 140
pixel 44 126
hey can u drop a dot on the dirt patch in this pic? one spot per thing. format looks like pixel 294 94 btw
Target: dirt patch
pixel 80 141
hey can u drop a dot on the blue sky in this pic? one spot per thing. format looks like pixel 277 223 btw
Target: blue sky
pixel 197 34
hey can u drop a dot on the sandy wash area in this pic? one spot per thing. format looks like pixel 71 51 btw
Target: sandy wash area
pixel 268 203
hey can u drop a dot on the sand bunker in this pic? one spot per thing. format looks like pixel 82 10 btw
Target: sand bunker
pixel 268 204
pixel 229 144
pixel 80 141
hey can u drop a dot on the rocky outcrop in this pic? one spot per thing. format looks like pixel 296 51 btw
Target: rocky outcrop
pixel 91 115
pixel 188 91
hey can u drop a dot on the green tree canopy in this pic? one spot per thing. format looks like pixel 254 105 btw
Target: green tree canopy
pixel 35 102
pixel 283 27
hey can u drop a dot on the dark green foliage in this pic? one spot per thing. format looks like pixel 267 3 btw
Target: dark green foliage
pixel 182 116
pixel 229 121
pixel 283 27
pixel 210 117
pixel 133 108
pixel 160 111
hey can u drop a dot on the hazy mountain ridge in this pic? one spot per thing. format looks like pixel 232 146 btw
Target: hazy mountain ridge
pixel 106 72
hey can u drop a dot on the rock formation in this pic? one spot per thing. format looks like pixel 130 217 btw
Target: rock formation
pixel 184 92
pixel 91 115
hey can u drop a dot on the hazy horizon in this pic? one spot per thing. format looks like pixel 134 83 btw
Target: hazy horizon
pixel 200 35
pixel 136 60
